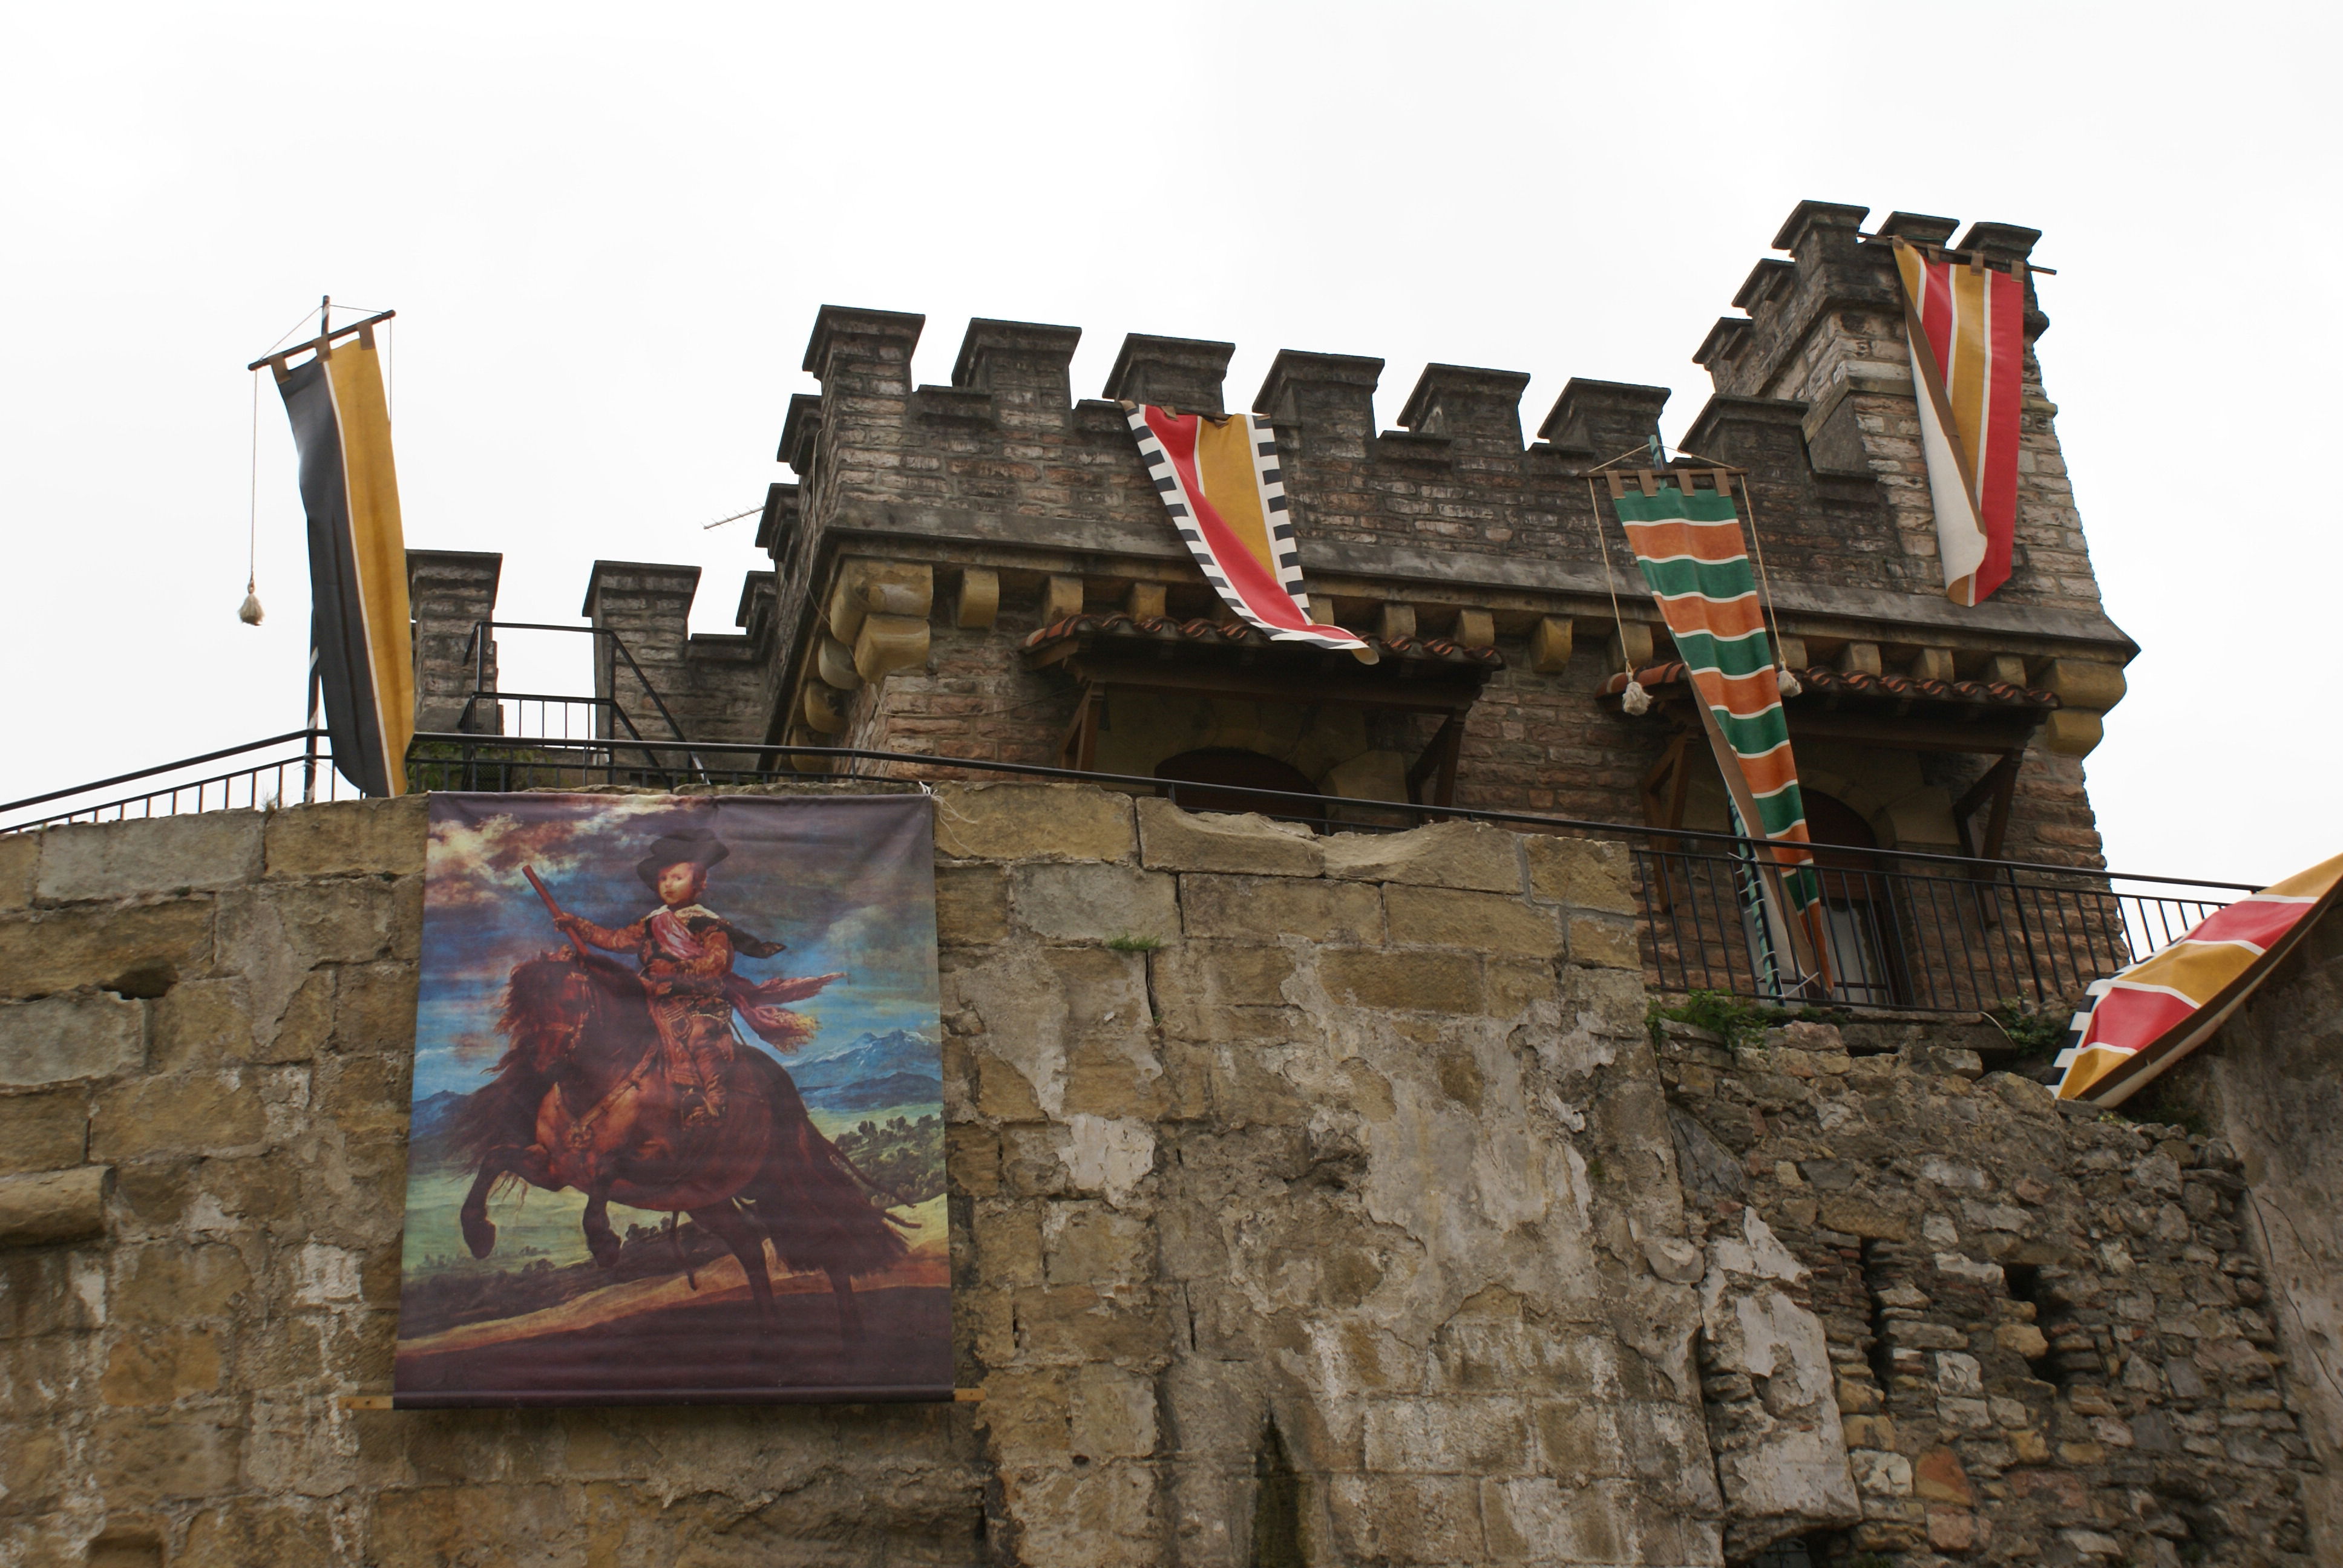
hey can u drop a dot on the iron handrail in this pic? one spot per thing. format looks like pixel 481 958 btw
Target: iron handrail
pixel 163 768
pixel 476 650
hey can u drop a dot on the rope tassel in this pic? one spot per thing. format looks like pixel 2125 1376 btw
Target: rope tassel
pixel 1788 685
pixel 1635 699
pixel 249 611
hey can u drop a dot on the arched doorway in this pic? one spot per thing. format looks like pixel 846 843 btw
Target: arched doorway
pixel 1214 778
pixel 1858 903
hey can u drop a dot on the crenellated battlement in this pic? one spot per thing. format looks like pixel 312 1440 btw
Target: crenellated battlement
pixel 931 528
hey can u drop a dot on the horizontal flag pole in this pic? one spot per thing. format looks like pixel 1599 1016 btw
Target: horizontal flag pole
pixel 1939 253
pixel 1647 480
pixel 354 329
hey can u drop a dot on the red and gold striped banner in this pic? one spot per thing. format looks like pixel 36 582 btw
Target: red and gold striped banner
pixel 1966 325
pixel 1221 483
pixel 2158 1010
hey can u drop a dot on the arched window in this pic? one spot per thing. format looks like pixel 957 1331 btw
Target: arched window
pixel 1212 780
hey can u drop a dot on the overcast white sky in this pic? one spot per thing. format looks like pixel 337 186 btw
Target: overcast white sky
pixel 606 230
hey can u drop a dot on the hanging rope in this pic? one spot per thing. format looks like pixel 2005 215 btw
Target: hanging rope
pixel 1634 698
pixel 250 612
pixel 1784 681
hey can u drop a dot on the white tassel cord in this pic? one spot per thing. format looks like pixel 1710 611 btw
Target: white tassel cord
pixel 1635 699
pixel 1785 683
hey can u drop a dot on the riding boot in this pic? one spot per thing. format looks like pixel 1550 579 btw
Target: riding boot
pixel 711 1062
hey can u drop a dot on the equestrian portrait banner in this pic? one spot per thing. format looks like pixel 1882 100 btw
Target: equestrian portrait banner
pixel 677 1127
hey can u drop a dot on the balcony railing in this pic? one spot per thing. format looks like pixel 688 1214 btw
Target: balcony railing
pixel 1904 931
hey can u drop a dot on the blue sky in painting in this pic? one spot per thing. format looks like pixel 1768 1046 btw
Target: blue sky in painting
pixel 847 882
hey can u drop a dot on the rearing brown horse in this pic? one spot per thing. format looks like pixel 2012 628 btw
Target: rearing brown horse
pixel 580 1099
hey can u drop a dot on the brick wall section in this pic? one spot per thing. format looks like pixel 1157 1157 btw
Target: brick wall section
pixel 2049 1327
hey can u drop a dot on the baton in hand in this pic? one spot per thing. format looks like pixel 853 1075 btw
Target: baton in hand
pixel 554 909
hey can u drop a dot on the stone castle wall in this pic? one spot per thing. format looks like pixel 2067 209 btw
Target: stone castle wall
pixel 1317 1198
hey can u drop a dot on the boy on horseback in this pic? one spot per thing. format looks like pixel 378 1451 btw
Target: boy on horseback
pixel 685 954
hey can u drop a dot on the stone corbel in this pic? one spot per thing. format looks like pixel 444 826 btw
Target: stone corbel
pixel 880 609
pixel 825 709
pixel 865 588
pixel 834 662
pixel 1631 647
pixel 1550 642
pixel 2085 689
pixel 980 599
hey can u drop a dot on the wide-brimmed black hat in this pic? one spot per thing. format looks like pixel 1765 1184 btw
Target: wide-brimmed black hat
pixel 702 848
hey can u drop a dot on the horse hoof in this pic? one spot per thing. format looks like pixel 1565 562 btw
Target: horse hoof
pixel 480 1234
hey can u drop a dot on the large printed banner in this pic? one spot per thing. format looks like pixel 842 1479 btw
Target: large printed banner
pixel 679 1105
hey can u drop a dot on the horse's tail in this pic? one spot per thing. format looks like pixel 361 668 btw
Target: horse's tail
pixel 807 1195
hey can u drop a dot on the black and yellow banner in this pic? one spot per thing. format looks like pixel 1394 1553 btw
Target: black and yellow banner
pixel 358 561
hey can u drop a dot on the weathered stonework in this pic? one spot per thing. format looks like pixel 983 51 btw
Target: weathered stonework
pixel 1324 1191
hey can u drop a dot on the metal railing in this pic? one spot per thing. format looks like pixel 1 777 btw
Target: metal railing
pixel 1902 929
pixel 299 767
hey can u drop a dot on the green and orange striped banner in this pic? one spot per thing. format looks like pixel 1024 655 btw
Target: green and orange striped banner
pixel 1688 543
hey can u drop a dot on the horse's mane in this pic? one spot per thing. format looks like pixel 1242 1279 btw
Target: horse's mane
pixel 504 1110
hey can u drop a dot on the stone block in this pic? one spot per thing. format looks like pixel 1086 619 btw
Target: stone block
pixel 1264 909
pixel 250 1530
pixel 978 603
pixel 373 1006
pixel 197 1112
pixel 2072 732
pixel 1113 1413
pixel 2083 683
pixel 200 1023
pixel 1513 985
pixel 1550 641
pixel 1442 855
pixel 1402 981
pixel 1483 922
pixel 148 1369
pixel 1228 974
pixel 348 838
pixel 1604 943
pixel 1094 902
pixel 1938 1476
pixel 205 850
pixel 42 1132
pixel 1405 1519
pixel 1032 822
pixel 53 1206
pixel 1176 841
pixel 143 1458
pixel 971 904
pixel 171 1283
pixel 59 1039
pixel 1584 873
pixel 1472 1436
pixel 20 864
pixel 142 948
pixel 1860 1217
